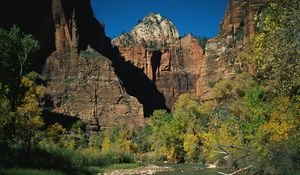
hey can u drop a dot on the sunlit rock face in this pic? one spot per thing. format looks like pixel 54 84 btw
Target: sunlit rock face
pixel 238 20
pixel 94 93
pixel 81 82
pixel 170 62
pixel 152 31
pixel 179 65
pixel 236 29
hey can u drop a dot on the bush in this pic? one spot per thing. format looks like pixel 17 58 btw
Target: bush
pixel 22 171
pixel 94 157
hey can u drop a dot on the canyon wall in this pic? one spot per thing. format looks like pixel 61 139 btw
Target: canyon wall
pixel 173 70
pixel 88 77
pixel 220 60
pixel 179 65
pixel 80 81
pixel 170 62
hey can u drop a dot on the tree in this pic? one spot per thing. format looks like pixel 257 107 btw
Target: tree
pixel 191 145
pixel 106 145
pixel 202 40
pixel 28 113
pixel 17 53
pixel 275 50
pixel 20 94
pixel 56 133
pixel 177 137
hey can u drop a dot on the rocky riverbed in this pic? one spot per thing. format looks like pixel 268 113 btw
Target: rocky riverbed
pixel 147 170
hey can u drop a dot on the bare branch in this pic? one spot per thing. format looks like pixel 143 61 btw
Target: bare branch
pixel 233 146
pixel 240 170
pixel 221 152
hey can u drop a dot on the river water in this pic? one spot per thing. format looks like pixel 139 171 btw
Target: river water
pixel 190 169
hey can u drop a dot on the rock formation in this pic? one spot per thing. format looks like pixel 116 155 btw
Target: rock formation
pixel 178 65
pixel 151 66
pixel 239 18
pixel 220 60
pixel 80 81
pixel 172 63
pixel 94 94
pixel 152 31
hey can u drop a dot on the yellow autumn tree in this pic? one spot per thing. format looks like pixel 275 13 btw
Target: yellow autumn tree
pixel 56 132
pixel 106 145
pixel 29 119
pixel 191 145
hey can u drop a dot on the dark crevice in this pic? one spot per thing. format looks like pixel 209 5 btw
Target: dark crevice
pixel 133 79
pixel 137 84
pixel 155 62
pixel 91 31
pixel 51 118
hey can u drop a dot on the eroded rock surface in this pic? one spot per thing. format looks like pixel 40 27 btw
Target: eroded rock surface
pixel 81 82
pixel 94 94
pixel 179 65
pixel 172 63
pixel 220 61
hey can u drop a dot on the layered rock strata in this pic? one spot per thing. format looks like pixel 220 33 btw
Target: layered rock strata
pixel 79 83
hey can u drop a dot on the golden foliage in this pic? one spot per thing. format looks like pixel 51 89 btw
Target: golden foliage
pixel 106 145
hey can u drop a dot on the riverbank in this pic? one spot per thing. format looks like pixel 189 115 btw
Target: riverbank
pixel 88 170
pixel 29 171
pixel 144 170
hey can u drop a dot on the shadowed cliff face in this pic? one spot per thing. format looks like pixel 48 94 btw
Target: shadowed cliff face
pixel 99 89
pixel 137 84
pixel 65 63
pixel 50 21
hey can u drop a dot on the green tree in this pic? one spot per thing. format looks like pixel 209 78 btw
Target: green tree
pixel 202 40
pixel 178 137
pixel 17 51
pixel 275 50
pixel 21 96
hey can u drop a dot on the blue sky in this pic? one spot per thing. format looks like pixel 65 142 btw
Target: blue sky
pixel 200 17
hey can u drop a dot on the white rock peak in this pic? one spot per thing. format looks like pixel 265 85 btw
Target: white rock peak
pixel 153 28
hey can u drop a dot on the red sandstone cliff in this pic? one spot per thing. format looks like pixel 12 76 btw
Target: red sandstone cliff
pixel 239 18
pixel 178 65
pixel 170 62
pixel 236 29
pixel 79 83
pixel 84 83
